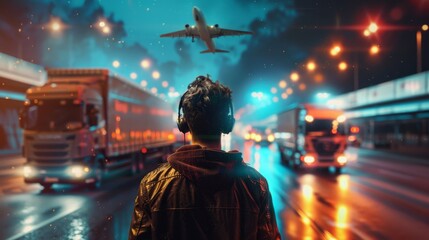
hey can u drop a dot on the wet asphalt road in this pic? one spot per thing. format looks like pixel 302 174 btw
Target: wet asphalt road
pixel 378 195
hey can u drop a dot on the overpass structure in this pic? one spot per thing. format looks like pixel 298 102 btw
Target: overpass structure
pixel 16 76
pixel 393 115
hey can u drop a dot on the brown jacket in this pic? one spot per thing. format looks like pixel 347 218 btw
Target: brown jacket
pixel 203 194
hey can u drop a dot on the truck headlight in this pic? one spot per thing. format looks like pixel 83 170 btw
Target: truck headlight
pixel 78 171
pixel 29 171
pixel 271 138
pixel 342 159
pixel 308 159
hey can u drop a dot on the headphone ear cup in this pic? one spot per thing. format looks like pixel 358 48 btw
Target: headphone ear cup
pixel 182 125
pixel 228 125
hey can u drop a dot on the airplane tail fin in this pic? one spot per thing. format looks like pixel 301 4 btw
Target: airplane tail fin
pixel 216 50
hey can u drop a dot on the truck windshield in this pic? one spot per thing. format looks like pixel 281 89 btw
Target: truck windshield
pixel 324 127
pixel 54 115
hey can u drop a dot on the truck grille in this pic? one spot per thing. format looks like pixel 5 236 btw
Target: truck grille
pixel 50 146
pixel 325 148
pixel 50 153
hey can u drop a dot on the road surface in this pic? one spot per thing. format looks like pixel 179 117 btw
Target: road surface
pixel 378 195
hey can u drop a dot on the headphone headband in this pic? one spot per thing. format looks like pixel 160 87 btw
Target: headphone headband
pixel 182 125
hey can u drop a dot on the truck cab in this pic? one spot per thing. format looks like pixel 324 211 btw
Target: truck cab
pixel 312 137
pixel 63 129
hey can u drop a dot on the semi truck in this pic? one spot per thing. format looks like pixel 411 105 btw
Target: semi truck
pixel 312 136
pixel 84 123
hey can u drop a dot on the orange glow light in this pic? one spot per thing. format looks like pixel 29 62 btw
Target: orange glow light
pixel 294 76
pixel 156 75
pixel 273 90
pixel 354 129
pixel 373 27
pixel 145 63
pixel 284 95
pixel 311 66
pixel 335 50
pixel 425 27
pixel 342 66
pixel 374 49
pixel 116 64
pixel 282 84
pixel 366 33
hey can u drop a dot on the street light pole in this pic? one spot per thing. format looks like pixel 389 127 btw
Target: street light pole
pixel 419 51
pixel 356 75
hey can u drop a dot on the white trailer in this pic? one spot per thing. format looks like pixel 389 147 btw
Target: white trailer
pixel 85 122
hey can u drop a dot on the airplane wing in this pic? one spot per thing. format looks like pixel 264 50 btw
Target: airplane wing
pixel 190 32
pixel 219 32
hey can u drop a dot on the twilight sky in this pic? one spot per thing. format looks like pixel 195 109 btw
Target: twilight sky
pixel 288 34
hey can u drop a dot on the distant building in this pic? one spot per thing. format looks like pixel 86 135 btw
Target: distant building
pixel 392 115
pixel 16 76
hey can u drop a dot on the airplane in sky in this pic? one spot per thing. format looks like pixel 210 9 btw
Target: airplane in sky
pixel 205 32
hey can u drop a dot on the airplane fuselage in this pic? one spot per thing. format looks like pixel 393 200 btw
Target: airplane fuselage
pixel 202 29
pixel 204 32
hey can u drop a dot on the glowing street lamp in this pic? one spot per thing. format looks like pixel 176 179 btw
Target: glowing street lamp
pixel 116 64
pixel 284 95
pixel 133 75
pixel 143 83
pixel 154 90
pixel 366 33
pixel 342 66
pixel 106 30
pixel 273 90
pixel 55 25
pixel 145 63
pixel 104 27
pixel 156 75
pixel 294 76
pixel 311 66
pixel 282 84
pixel 373 27
pixel 374 49
pixel 335 50
pixel 425 27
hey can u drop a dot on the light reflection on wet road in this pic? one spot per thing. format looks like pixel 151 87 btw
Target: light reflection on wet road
pixel 378 196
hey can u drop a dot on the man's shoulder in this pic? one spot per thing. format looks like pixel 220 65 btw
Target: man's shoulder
pixel 246 172
pixel 162 172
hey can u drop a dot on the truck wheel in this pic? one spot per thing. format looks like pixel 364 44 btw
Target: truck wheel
pixel 98 173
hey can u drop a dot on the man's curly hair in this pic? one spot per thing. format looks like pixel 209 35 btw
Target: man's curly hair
pixel 206 106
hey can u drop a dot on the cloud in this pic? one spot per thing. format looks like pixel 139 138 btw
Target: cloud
pixel 268 56
pixel 80 43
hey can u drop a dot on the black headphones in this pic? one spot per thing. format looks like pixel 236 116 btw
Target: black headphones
pixel 226 126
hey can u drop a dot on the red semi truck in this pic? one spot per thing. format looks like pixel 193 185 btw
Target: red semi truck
pixel 312 136
pixel 85 122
